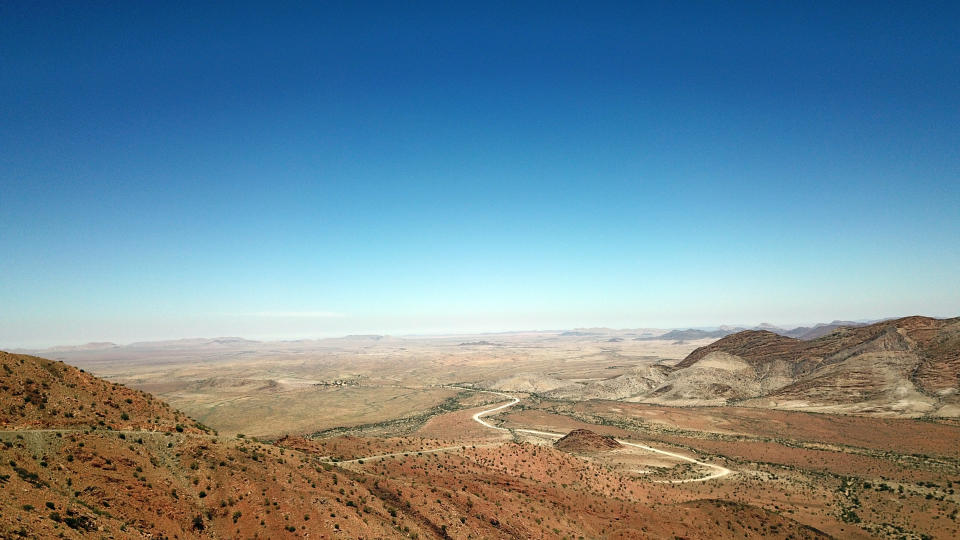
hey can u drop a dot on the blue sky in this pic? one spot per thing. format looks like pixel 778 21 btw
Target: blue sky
pixel 172 170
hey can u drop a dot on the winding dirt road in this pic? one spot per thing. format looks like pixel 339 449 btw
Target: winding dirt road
pixel 720 472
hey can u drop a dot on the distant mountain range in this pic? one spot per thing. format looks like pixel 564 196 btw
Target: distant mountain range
pixel 690 334
pixel 186 343
pixel 64 352
pixel 801 332
pixel 819 330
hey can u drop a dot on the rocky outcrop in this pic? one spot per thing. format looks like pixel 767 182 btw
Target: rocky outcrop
pixel 586 441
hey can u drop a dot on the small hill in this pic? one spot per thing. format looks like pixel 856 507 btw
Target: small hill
pixel 586 441
pixel 531 382
pixel 634 382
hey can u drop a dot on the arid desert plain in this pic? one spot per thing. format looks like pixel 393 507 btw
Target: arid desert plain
pixel 580 434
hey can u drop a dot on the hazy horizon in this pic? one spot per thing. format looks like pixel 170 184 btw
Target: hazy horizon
pixel 172 170
pixel 439 332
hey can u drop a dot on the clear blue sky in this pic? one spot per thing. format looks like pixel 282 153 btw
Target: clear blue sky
pixel 298 171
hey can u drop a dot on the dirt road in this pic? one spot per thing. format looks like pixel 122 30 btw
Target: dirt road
pixel 720 472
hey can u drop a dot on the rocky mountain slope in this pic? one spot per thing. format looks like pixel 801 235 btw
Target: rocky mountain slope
pixel 83 456
pixel 40 393
pixel 908 367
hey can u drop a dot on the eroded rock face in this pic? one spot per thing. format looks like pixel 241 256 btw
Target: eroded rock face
pixel 584 440
pixel 906 366
pixel 902 367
